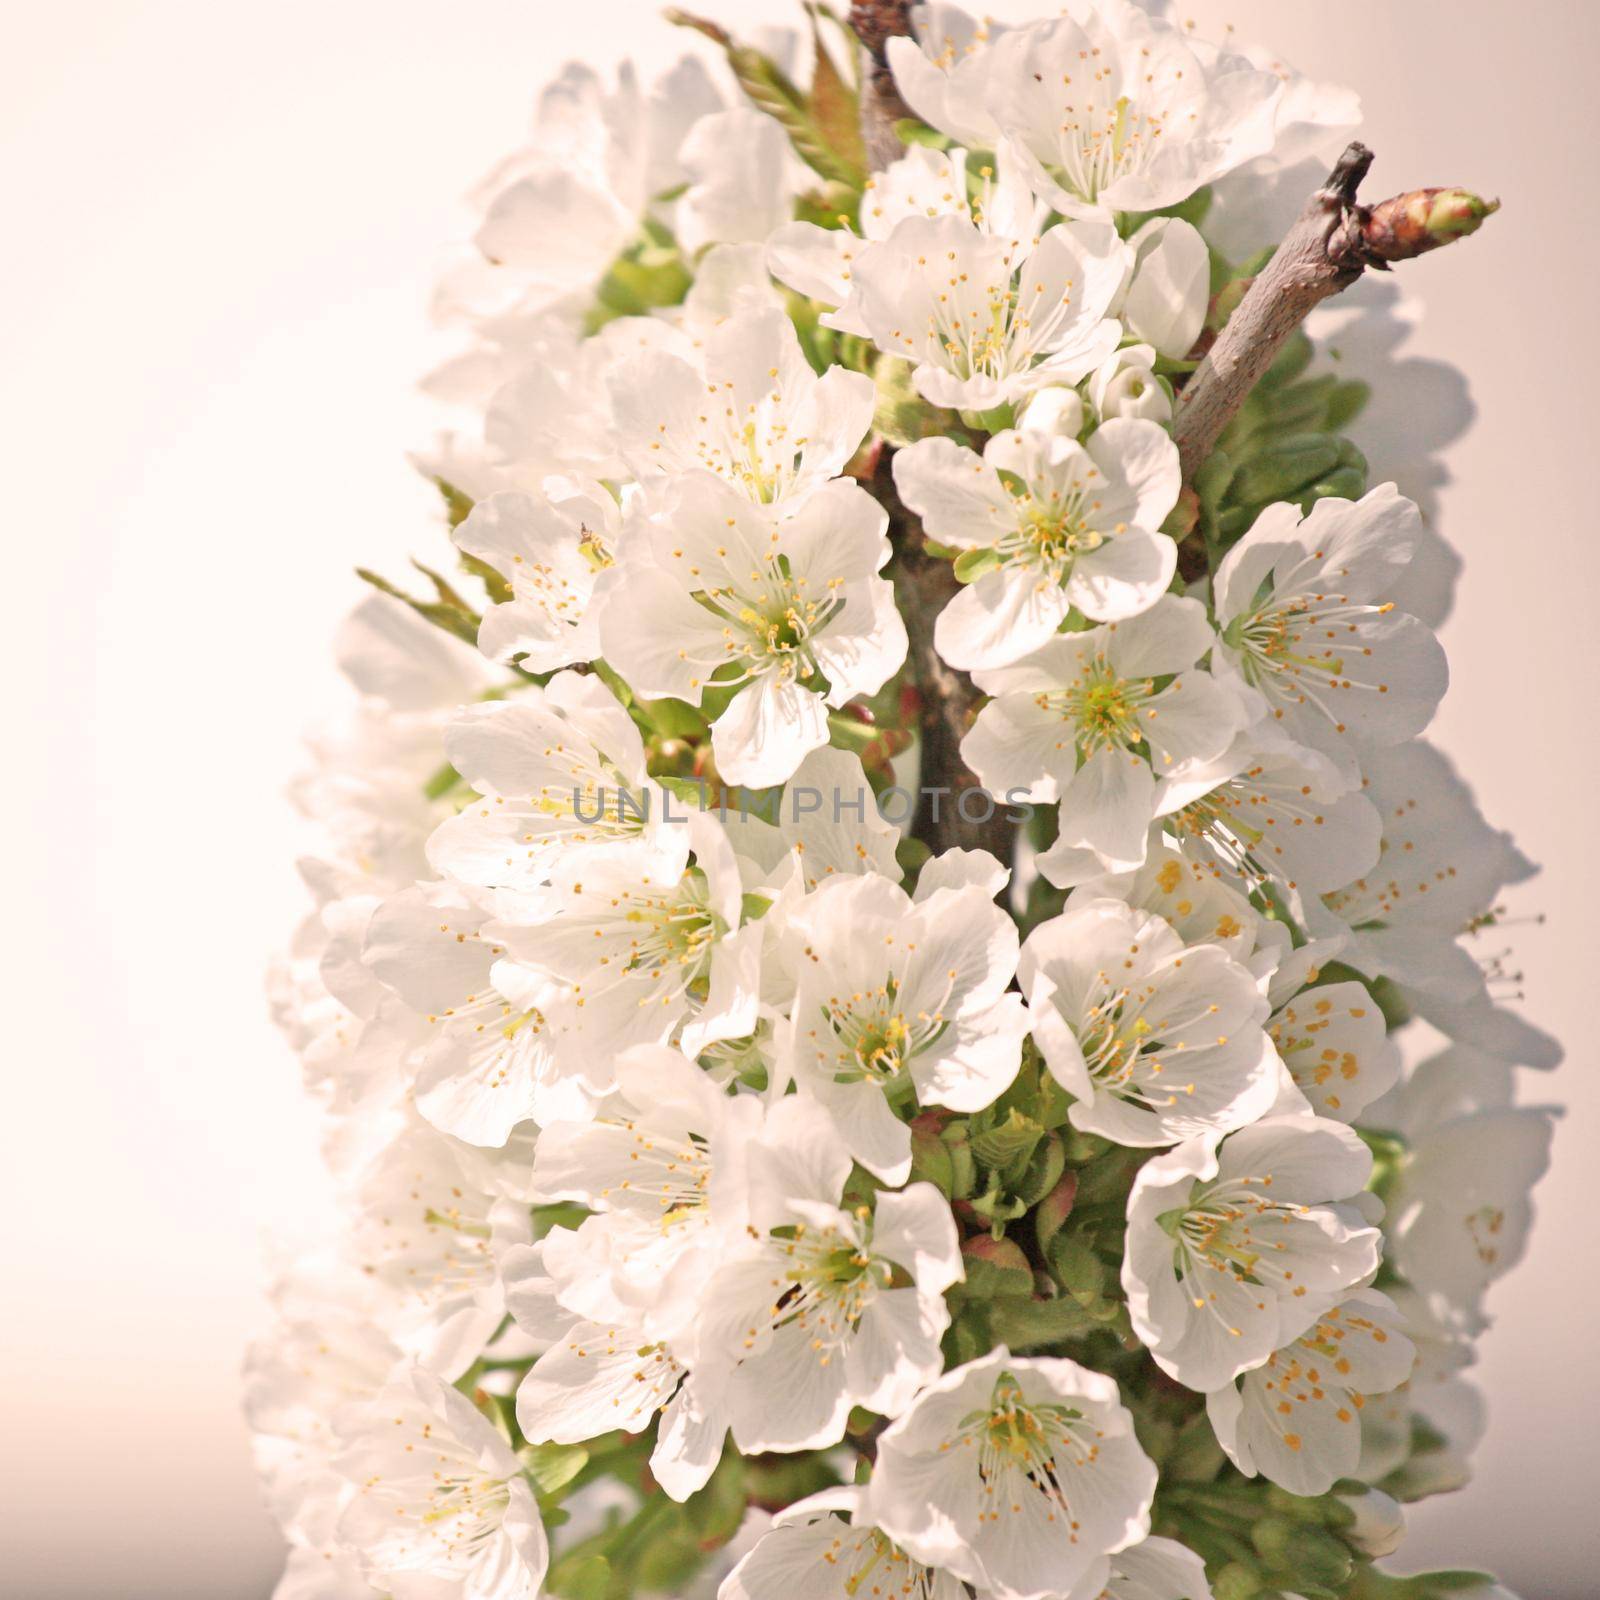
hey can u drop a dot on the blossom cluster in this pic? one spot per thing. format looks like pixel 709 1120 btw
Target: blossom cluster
pixel 738 1195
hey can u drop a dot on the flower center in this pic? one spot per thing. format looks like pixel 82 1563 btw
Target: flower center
pixel 1099 144
pixel 1022 1449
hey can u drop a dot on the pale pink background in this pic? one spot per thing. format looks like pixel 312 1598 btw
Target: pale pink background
pixel 221 219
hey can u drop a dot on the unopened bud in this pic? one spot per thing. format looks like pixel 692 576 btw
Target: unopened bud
pixel 1379 1523
pixel 1412 224
pixel 1307 1551
pixel 1053 412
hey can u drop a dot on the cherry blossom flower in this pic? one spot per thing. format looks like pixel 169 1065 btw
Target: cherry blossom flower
pixel 1094 718
pixel 897 1000
pixel 1156 1041
pixel 1115 111
pixel 557 769
pixel 1048 525
pixel 751 411
pixel 439 1503
pixel 984 322
pixel 1014 1473
pixel 1234 1249
pixel 1303 609
pixel 790 614
pixel 1296 1418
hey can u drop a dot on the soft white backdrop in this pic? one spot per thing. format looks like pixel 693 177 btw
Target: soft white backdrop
pixel 220 225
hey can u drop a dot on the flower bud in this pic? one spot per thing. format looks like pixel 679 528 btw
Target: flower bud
pixel 1236 1581
pixel 1412 224
pixel 1126 386
pixel 1379 1525
pixel 1053 412
pixel 1300 1548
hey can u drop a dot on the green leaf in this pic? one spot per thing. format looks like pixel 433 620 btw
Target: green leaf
pixel 1013 1141
pixel 588 1577
pixel 769 89
pixel 995 1268
pixel 552 1466
pixel 1079 1271
pixel 1030 1324
pixel 457 502
pixel 715 1512
pixel 1284 468
pixel 902 416
pixel 1347 402
pixel 496 587
pixel 673 719
pixel 1195 1457
pixel 454 616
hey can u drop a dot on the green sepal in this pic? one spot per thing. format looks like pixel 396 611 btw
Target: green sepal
pixel 971 565
pixel 909 131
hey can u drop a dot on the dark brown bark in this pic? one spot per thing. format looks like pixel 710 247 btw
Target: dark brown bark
pixel 875 23
pixel 953 809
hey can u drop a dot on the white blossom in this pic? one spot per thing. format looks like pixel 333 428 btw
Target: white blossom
pixel 843 1308
pixel 1115 111
pixel 428 1226
pixel 942 71
pixel 637 942
pixel 822 262
pixel 1462 1205
pixel 983 321
pixel 1166 301
pixel 1234 1251
pixel 1439 871
pixel 1073 722
pixel 751 411
pixel 819 1548
pixel 1269 810
pixel 556 769
pixel 1296 1418
pixel 898 999
pixel 1051 524
pixel 1306 621
pixel 789 613
pixel 555 550
pixel 484 1055
pixel 439 1505
pixel 562 209
pixel 1156 1041
pixel 1125 385
pixel 1332 1038
pixel 1014 1473
pixel 742 179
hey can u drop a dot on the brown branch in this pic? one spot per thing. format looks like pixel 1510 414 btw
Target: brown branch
pixel 1334 240
pixel 876 22
pixel 954 811
pixel 924 584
